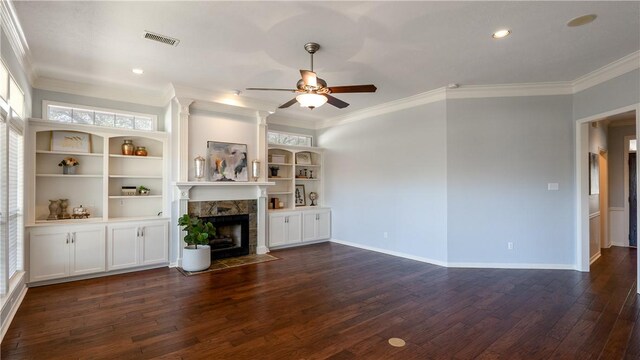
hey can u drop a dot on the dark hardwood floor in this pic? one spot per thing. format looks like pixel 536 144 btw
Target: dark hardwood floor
pixel 332 301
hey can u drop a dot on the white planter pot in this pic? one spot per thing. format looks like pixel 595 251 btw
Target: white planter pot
pixel 196 259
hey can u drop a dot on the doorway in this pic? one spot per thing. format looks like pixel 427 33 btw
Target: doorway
pixel 582 183
pixel 633 200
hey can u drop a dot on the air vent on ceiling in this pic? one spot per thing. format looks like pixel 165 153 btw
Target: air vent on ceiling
pixel 161 38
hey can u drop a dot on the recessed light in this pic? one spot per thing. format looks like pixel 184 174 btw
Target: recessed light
pixel 137 71
pixel 272 112
pixel 582 20
pixel 501 33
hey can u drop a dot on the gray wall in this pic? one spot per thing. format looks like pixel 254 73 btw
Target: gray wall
pixel 616 163
pixel 388 174
pixel 618 92
pixel 39 95
pixel 502 153
pixel 17 71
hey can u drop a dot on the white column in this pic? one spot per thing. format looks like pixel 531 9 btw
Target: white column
pixel 182 193
pixel 262 220
pixel 183 138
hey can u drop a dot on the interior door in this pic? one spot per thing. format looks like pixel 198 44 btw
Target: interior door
pixel 633 195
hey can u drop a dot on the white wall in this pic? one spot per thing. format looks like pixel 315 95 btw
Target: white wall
pixel 209 126
pixel 388 174
pixel 618 92
pixel 502 153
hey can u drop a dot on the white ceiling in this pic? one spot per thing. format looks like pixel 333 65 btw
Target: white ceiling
pixel 404 48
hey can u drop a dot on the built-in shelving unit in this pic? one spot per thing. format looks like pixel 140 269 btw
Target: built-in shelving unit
pixel 98 180
pixel 293 174
pixel 122 231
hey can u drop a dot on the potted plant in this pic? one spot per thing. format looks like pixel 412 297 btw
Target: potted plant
pixel 69 165
pixel 194 257
pixel 143 190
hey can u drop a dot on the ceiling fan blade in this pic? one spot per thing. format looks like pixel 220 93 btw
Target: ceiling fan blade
pixel 336 102
pixel 309 78
pixel 353 88
pixel 288 103
pixel 271 89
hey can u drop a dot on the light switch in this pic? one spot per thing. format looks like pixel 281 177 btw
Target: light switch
pixel 552 186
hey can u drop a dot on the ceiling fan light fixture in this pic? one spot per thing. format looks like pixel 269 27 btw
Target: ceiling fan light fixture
pixel 311 100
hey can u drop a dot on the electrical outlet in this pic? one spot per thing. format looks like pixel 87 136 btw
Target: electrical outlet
pixel 385 235
pixel 510 245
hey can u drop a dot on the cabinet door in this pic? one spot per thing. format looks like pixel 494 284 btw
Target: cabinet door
pixel 155 244
pixel 48 254
pixel 309 222
pixel 277 232
pixel 323 225
pixel 294 228
pixel 123 250
pixel 87 251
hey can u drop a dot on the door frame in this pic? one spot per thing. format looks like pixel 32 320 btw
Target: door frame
pixel 626 185
pixel 582 184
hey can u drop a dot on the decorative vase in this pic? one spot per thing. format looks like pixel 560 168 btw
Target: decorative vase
pixel 127 147
pixel 196 259
pixel 255 170
pixel 64 203
pixel 199 163
pixel 274 171
pixel 141 151
pixel 54 205
pixel 69 170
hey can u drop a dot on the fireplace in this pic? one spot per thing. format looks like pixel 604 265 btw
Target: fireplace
pixel 235 222
pixel 232 236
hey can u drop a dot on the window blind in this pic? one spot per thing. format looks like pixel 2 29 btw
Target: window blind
pixel 15 201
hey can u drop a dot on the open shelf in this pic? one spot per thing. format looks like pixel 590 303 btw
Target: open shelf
pixel 134 196
pixel 135 157
pixel 64 153
pixel 279 164
pixel 280 179
pixel 70 175
pixel 135 176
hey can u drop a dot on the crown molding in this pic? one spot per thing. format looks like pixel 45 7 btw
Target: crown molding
pixel 510 90
pixel 619 67
pixel 109 92
pixel 389 107
pixel 11 25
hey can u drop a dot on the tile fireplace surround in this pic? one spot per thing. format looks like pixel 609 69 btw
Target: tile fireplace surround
pixel 227 208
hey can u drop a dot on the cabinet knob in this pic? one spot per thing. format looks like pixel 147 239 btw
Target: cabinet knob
pixel 73 238
pixel 67 238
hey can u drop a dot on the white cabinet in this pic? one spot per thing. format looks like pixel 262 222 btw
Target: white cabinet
pixel 316 225
pixel 56 252
pixel 137 244
pixel 285 228
pixel 296 227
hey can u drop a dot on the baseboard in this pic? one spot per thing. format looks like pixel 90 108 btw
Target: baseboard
pixel 15 298
pixel 173 264
pixel 392 253
pixel 459 264
pixel 523 266
pixel 595 257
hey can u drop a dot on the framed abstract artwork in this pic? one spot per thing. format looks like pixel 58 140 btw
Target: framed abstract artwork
pixel 227 161
pixel 70 141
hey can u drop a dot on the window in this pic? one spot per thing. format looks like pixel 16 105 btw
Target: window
pixel 14 218
pixel 283 138
pixel 633 146
pixel 78 114
pixel 12 110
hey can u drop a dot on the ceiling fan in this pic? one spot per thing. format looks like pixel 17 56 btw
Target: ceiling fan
pixel 314 92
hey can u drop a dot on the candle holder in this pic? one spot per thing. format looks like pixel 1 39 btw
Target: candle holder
pixel 255 170
pixel 199 163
